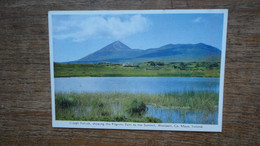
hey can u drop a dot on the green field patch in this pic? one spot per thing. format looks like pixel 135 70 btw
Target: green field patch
pixel 146 69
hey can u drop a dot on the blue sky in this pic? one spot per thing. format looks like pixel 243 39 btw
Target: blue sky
pixel 75 36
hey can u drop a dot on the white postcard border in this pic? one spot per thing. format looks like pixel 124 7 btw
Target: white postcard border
pixel 132 125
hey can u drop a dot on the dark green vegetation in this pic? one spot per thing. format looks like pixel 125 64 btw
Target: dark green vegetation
pixel 128 107
pixel 148 69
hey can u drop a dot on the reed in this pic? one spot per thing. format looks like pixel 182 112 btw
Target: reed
pixel 128 107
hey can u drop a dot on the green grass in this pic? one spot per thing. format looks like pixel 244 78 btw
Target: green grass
pixel 147 69
pixel 127 107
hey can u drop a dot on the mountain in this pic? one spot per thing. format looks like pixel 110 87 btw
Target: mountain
pixel 182 53
pixel 114 52
pixel 117 52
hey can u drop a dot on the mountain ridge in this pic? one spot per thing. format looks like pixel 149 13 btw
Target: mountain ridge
pixel 118 52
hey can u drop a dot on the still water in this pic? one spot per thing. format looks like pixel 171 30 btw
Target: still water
pixel 136 84
pixel 183 115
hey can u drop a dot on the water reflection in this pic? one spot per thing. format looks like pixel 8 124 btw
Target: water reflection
pixel 183 115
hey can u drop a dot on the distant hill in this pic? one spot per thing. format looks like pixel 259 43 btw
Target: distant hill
pixel 117 52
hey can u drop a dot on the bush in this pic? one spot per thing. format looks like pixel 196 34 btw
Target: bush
pixel 160 63
pixel 64 102
pixel 182 66
pixel 151 119
pixel 137 108
pixel 120 118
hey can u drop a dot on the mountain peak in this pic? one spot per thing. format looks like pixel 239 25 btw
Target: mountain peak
pixel 117 46
pixel 117 42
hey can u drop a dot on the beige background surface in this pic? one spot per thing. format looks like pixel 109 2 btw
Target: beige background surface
pixel 25 97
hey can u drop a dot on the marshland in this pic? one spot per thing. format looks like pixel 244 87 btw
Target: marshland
pixel 138 107
pixel 151 92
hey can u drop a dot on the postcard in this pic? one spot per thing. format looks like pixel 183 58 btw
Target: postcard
pixel 138 69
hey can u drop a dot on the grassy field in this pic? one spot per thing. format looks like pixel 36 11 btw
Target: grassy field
pixel 128 107
pixel 147 69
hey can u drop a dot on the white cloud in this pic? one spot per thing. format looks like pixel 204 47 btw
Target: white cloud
pixel 197 20
pixel 100 27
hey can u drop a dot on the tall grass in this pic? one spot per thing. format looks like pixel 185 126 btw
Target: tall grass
pixel 130 107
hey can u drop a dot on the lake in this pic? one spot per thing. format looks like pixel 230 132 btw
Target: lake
pixel 148 85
